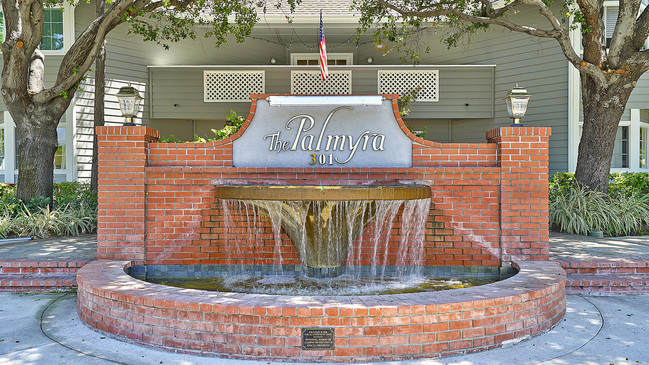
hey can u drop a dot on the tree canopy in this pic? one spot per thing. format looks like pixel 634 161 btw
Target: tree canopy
pixel 608 72
pixel 36 108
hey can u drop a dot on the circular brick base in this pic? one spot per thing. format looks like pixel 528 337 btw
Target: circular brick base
pixel 268 327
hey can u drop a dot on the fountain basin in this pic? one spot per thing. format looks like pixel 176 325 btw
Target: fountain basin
pixel 256 326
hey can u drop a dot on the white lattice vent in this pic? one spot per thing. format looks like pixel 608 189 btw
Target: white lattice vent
pixel 232 86
pixel 310 83
pixel 404 81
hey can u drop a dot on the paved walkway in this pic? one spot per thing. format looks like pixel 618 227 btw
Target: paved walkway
pixel 590 248
pixel 44 329
pixel 80 248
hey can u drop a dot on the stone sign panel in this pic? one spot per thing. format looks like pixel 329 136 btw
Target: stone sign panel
pixel 327 131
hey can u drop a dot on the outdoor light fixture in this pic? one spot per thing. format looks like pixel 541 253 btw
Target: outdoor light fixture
pixel 273 61
pixel 129 103
pixel 370 60
pixel 516 100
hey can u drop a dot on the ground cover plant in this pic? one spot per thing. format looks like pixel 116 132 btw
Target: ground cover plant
pixel 72 212
pixel 624 210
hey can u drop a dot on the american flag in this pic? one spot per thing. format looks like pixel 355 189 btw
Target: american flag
pixel 324 70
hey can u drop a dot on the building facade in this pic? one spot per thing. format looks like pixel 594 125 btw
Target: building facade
pixel 190 88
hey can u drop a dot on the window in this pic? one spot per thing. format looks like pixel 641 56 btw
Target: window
pixel 621 149
pixel 313 59
pixel 52 39
pixel 58 28
pixel 59 155
pixel 610 18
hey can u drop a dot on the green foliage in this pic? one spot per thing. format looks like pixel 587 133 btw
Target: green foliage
pixel 73 212
pixel 74 195
pixel 630 183
pixel 215 20
pixel 406 32
pixel 578 210
pixel 232 125
pixel 405 100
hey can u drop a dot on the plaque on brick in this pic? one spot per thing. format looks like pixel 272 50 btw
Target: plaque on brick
pixel 317 338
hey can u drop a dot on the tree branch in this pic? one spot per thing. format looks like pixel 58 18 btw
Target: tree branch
pixel 80 57
pixel 623 33
pixel 641 29
pixel 592 32
pixel 557 32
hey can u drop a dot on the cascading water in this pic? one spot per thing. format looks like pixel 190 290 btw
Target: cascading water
pixel 325 233
pixel 350 240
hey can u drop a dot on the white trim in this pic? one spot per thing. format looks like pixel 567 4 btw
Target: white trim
pixel 291 100
pixel 10 148
pixel 574 102
pixel 348 57
pixel 307 67
pixel 71 143
pixel 634 139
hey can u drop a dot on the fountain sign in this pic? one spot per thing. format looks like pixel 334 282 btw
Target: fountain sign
pixel 318 339
pixel 323 131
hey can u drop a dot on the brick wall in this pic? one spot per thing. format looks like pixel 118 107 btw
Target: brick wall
pixel 268 327
pixel 156 200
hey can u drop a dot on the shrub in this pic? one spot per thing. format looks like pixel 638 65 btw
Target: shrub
pixel 232 125
pixel 577 210
pixel 73 212
pixel 630 183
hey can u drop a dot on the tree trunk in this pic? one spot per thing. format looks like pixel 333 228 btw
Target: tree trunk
pixel 602 108
pixel 37 143
pixel 100 84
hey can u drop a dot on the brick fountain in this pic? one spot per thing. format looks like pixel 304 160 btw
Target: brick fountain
pixel 160 209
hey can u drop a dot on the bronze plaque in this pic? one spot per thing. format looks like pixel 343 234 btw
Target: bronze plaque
pixel 317 338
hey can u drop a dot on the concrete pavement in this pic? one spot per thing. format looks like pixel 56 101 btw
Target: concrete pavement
pixel 44 329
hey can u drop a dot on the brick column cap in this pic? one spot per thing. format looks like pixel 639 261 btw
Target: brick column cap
pixel 518 131
pixel 129 131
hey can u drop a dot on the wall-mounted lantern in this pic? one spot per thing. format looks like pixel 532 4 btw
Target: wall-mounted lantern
pixel 129 103
pixel 516 100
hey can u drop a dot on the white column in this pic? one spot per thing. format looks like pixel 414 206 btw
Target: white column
pixel 10 149
pixel 574 96
pixel 70 142
pixel 634 140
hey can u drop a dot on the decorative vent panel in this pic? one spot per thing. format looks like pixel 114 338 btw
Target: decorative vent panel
pixel 310 83
pixel 403 81
pixel 229 86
